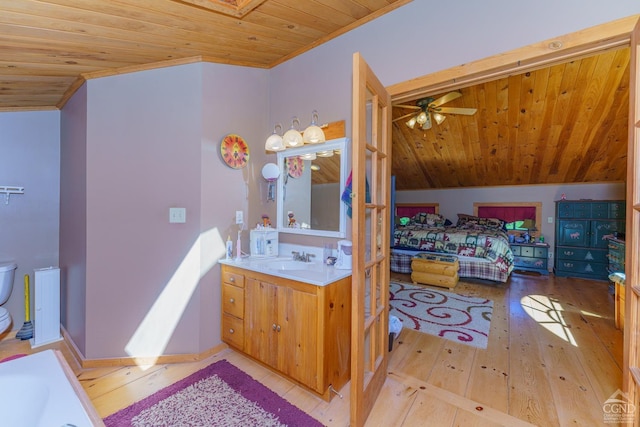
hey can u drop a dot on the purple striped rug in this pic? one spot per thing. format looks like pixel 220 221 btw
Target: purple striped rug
pixel 218 395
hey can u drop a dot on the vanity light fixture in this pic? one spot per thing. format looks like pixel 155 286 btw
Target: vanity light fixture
pixel 325 153
pixel 313 134
pixel 275 142
pixel 292 137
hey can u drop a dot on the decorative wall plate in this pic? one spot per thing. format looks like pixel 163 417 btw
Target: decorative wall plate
pixel 295 166
pixel 235 151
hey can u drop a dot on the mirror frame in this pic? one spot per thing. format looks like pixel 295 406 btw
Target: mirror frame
pixel 334 144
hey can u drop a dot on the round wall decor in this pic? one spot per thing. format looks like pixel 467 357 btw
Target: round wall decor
pixel 235 151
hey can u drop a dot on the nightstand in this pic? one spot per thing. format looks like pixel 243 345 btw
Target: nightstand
pixel 530 257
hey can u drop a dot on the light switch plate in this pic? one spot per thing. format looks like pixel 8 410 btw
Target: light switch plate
pixel 239 217
pixel 177 215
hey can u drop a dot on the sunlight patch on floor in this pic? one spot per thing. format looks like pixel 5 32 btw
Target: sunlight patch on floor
pixel 150 339
pixel 548 314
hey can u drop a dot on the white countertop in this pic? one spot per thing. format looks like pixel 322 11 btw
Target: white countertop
pixel 315 273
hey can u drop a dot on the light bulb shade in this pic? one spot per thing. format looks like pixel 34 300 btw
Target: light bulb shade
pixel 422 118
pixel 292 137
pixel 308 156
pixel 439 118
pixel 427 124
pixel 275 142
pixel 325 153
pixel 313 134
pixel 412 122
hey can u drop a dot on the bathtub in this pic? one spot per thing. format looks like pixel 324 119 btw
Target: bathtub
pixel 40 390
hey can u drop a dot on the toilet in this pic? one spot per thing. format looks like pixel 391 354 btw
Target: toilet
pixel 7 273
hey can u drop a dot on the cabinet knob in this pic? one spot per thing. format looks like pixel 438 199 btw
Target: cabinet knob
pixel 278 328
pixel 273 326
pixel 231 331
pixel 231 300
pixel 232 279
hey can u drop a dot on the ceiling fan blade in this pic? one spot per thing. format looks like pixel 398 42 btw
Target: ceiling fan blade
pixel 413 107
pixel 455 110
pixel 446 98
pixel 403 117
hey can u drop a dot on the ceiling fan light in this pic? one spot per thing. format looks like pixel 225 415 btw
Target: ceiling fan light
pixel 427 124
pixel 412 122
pixel 292 137
pixel 439 118
pixel 313 134
pixel 422 118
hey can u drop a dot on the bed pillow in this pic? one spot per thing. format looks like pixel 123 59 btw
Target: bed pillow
pixel 493 223
pixel 428 220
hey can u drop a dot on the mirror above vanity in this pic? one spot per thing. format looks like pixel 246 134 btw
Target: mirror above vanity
pixel 310 185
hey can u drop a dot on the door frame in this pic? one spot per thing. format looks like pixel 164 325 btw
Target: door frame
pixel 588 42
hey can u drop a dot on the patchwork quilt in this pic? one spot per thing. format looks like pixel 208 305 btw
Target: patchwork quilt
pixel 471 240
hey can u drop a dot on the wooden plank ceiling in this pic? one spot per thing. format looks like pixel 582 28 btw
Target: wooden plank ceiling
pixel 50 47
pixel 566 123
pixel 562 124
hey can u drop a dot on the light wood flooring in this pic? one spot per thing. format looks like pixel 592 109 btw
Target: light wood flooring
pixel 554 370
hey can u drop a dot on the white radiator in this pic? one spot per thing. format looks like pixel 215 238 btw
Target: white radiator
pixel 46 319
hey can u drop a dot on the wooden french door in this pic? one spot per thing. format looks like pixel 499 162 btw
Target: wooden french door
pixel 371 192
pixel 631 374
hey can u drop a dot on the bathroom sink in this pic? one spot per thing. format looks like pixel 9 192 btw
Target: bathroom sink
pixel 291 265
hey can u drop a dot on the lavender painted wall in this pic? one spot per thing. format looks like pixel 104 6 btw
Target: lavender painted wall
pixel 234 100
pixel 153 142
pixel 29 158
pixel 73 217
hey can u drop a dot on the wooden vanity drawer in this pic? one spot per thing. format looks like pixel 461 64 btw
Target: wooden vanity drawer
pixel 233 300
pixel 233 278
pixel 233 331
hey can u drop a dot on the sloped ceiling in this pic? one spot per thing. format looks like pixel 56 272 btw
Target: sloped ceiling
pixel 562 124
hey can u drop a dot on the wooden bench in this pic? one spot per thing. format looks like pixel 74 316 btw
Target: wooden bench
pixel 435 269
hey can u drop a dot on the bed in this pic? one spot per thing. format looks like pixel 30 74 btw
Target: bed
pixel 481 244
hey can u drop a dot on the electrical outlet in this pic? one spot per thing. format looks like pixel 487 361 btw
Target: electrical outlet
pixel 239 216
pixel 550 255
pixel 550 220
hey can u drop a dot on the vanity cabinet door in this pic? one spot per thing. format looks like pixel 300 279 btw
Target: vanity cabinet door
pixel 281 329
pixel 297 336
pixel 261 321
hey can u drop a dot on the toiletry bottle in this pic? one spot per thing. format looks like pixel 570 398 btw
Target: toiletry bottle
pixel 229 248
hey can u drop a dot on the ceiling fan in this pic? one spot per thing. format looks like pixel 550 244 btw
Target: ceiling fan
pixel 430 106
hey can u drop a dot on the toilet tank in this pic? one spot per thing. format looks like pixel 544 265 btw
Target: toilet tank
pixel 7 273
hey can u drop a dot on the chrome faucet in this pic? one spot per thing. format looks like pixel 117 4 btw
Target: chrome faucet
pixel 297 256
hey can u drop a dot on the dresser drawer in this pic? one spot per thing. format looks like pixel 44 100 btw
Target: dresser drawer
pixel 233 300
pixel 539 263
pixel 595 269
pixel 581 254
pixel 233 278
pixel 233 331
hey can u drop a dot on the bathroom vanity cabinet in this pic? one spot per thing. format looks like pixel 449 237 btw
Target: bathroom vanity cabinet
pixel 298 329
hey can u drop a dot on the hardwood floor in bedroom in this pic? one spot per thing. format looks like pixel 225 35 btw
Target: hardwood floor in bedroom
pixel 556 369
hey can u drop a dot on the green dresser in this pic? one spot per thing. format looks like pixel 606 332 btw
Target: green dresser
pixel 582 228
pixel 530 256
